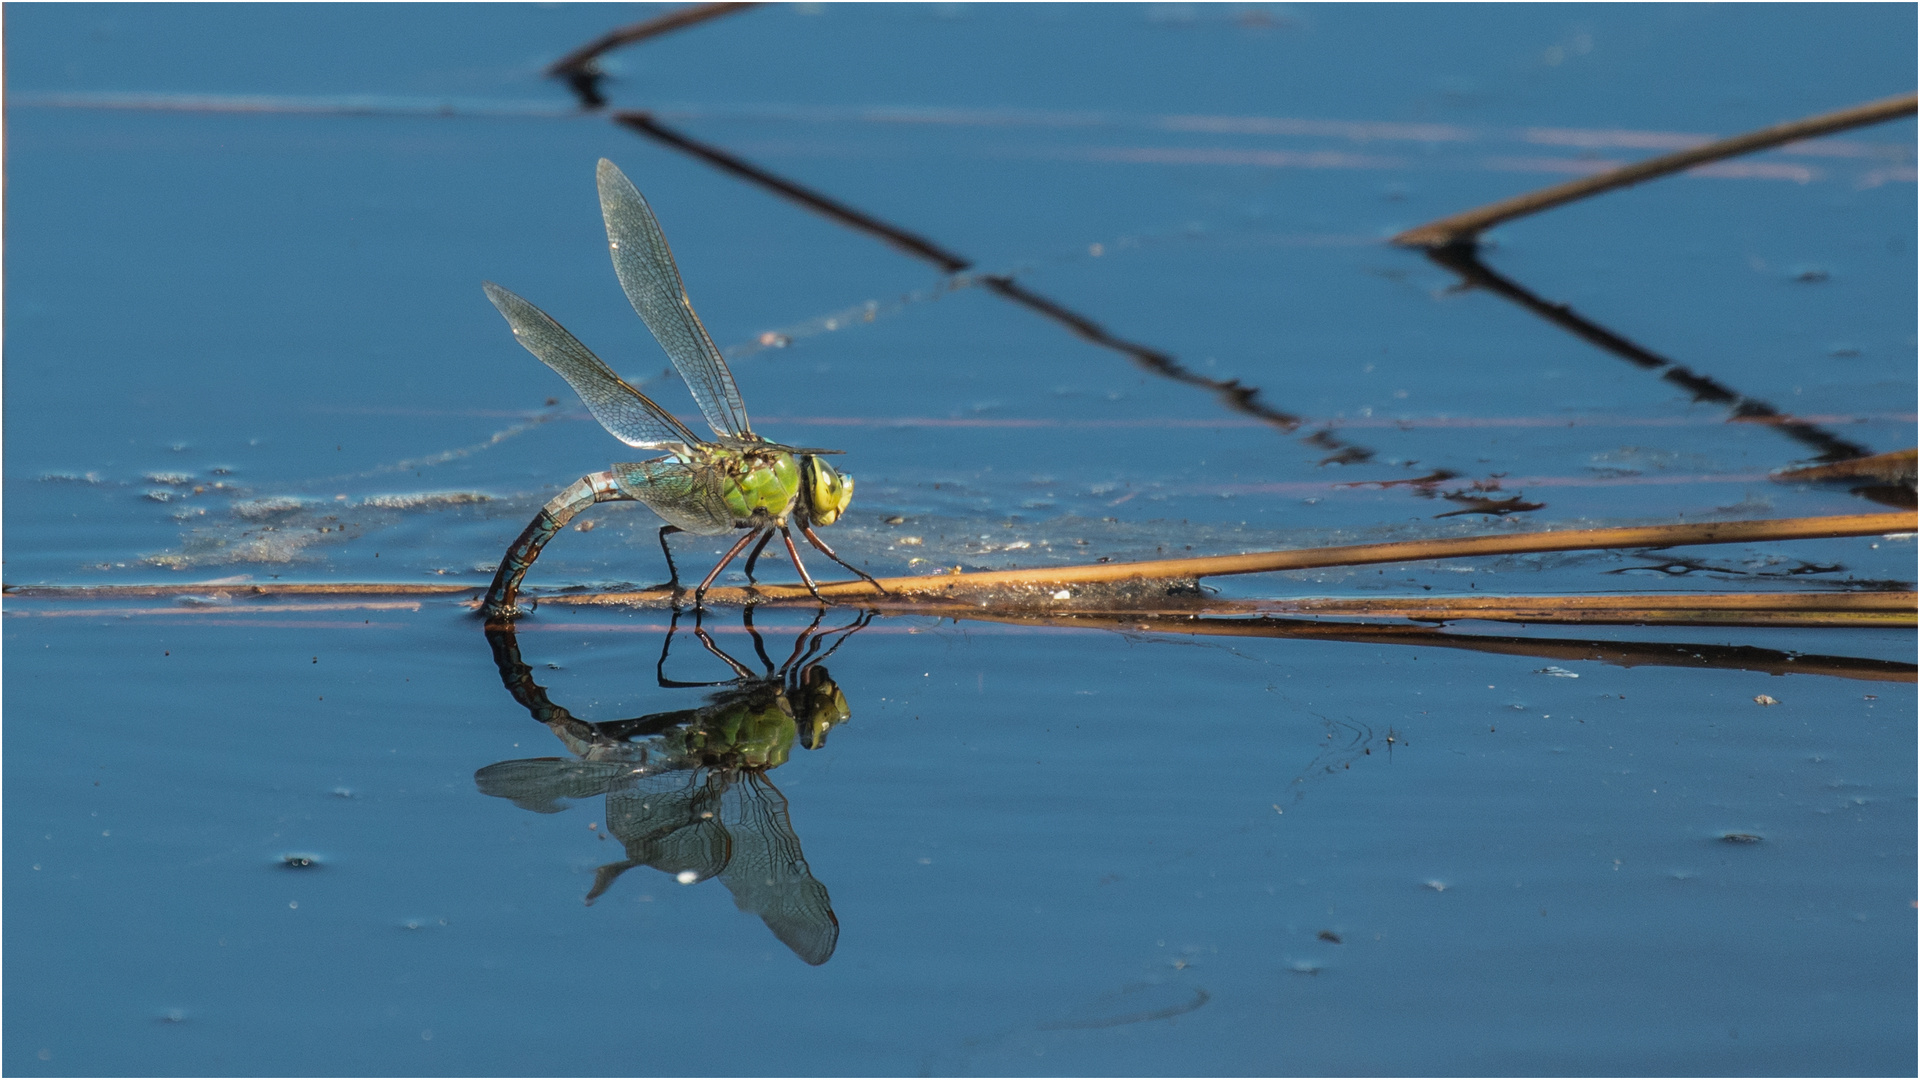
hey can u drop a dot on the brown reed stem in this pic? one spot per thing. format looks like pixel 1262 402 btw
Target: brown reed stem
pixel 1463 227
pixel 1058 577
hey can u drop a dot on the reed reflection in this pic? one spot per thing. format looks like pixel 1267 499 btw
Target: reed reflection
pixel 687 790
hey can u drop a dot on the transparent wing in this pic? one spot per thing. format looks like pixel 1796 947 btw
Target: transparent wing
pixel 652 282
pixel 631 416
pixel 672 823
pixel 539 784
pixel 685 495
pixel 768 876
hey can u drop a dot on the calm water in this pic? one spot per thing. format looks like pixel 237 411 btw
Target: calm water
pixel 246 340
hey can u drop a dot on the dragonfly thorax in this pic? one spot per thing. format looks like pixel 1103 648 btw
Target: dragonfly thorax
pixel 760 487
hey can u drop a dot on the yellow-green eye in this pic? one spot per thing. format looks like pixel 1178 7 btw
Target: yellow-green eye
pixel 828 492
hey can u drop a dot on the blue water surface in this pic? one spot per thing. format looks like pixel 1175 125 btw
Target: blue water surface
pixel 246 343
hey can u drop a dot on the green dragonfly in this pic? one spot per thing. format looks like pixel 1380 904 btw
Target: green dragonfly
pixel 736 480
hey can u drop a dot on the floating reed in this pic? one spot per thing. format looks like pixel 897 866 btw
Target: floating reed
pixel 1109 583
pixel 1036 586
pixel 1464 227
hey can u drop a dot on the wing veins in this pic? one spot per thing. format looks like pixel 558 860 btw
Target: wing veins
pixel 644 263
pixel 629 415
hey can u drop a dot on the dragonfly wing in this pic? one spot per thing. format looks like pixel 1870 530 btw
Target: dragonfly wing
pixel 688 496
pixel 631 416
pixel 652 282
pixel 673 824
pixel 768 876
pixel 540 784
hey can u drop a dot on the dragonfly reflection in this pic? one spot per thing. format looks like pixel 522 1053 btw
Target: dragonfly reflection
pixel 687 790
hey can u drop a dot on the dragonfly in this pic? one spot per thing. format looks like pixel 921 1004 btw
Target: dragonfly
pixel 687 791
pixel 734 481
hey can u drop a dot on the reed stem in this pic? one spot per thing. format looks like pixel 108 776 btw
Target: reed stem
pixel 1462 228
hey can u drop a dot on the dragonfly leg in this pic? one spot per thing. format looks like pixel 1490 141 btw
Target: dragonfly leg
pixel 759 646
pixel 807 531
pixel 794 554
pixel 732 553
pixel 673 572
pixel 754 556
pixel 553 517
pixel 660 667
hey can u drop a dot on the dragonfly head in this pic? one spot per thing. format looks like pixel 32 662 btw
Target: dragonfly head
pixel 820 706
pixel 828 492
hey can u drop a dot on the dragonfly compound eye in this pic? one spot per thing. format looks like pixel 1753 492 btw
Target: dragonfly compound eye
pixel 828 492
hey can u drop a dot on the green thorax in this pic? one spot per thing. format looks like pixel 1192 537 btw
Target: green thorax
pixel 757 733
pixel 755 481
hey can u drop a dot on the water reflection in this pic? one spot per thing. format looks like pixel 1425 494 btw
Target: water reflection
pixel 687 790
pixel 1464 260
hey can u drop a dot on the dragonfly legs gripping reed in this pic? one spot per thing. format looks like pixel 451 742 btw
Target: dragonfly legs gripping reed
pixel 806 530
pixel 700 592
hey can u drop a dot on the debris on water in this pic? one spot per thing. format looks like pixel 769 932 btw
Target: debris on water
pixel 204 600
pixel 177 479
pixel 1480 504
pixel 1762 699
pixel 895 520
pixel 1304 967
pixel 586 525
pixel 1328 935
pixel 417 500
pixel 1811 274
pixel 687 877
pixel 1556 672
pixel 268 507
pixel 1739 838
pixel 174 1016
pixel 1136 1004
pixel 297 860
pixel 344 792
pixel 1436 885
pixel 911 541
pixel 70 478
pixel 1063 594
pixel 162 495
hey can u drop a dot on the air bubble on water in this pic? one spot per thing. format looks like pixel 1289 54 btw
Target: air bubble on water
pixel 300 860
